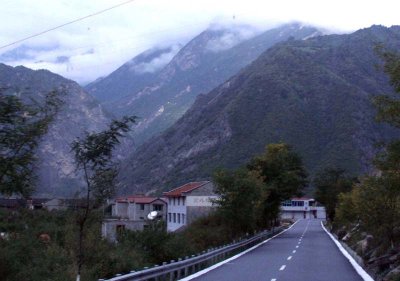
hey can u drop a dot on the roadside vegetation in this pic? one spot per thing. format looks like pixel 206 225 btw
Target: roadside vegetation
pixel 43 245
pixel 365 213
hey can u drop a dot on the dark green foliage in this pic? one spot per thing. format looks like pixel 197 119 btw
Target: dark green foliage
pixel 250 198
pixel 239 193
pixel 389 106
pixel 24 256
pixel 282 171
pixel 329 183
pixel 21 128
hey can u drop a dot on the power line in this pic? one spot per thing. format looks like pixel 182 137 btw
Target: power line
pixel 65 24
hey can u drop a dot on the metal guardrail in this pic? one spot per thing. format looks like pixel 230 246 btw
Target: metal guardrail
pixel 176 270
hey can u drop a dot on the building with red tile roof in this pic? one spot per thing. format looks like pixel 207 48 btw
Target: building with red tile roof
pixel 189 202
pixel 131 212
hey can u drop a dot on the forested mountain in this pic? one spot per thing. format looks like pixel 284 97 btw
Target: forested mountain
pixel 162 96
pixel 313 94
pixel 80 112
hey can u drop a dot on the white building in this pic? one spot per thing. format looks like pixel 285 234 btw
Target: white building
pixel 302 208
pixel 189 202
pixel 131 213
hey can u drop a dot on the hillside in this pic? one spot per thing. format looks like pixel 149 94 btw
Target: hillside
pixel 56 170
pixel 163 96
pixel 313 94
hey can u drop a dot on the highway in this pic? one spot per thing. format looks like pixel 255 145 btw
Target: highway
pixel 305 252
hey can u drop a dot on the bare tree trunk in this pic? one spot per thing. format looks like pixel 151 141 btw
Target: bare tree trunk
pixel 82 223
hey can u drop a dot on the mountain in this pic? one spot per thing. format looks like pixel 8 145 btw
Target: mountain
pixel 133 76
pixel 313 94
pixel 80 113
pixel 162 97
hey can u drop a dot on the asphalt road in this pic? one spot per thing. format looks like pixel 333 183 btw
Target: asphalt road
pixel 303 253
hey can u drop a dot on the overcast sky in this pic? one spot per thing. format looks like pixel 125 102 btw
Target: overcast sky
pixel 100 44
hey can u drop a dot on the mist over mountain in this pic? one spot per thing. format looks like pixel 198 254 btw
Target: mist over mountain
pixel 313 94
pixel 81 112
pixel 162 96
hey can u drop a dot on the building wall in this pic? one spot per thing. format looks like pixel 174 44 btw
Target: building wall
pixel 109 227
pixel 195 204
pixel 294 213
pixel 195 212
pixel 176 215
pixel 204 190
pixel 121 209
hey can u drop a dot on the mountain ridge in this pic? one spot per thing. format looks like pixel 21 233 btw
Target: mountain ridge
pixel 80 113
pixel 202 64
pixel 313 94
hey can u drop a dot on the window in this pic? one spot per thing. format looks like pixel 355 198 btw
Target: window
pixel 157 207
pixel 175 217
pixel 179 218
pixel 120 228
pixel 287 203
pixel 174 201
pixel 183 218
pixel 298 203
pixel 141 206
pixel 169 217
pixel 183 201
pixel 169 201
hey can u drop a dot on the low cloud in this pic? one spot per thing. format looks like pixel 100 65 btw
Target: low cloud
pixel 96 46
pixel 231 38
pixel 156 63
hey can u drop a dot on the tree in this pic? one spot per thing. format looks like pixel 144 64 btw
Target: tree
pixel 284 175
pixel 93 155
pixel 329 183
pixel 21 127
pixel 239 194
pixel 389 106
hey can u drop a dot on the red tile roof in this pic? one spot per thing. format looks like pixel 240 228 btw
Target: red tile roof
pixel 302 198
pixel 185 188
pixel 140 199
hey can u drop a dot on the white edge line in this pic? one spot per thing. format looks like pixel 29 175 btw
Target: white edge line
pixel 204 271
pixel 364 275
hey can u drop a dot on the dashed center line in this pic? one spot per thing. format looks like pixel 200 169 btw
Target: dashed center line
pixel 294 251
pixel 273 279
pixel 297 246
pixel 289 258
pixel 282 267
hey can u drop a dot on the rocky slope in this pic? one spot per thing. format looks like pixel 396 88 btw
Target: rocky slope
pixel 162 97
pixel 313 94
pixel 80 113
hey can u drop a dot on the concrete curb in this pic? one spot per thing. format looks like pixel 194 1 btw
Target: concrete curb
pixel 348 254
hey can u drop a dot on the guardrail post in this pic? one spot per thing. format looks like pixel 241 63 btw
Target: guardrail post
pixel 178 274
pixel 172 273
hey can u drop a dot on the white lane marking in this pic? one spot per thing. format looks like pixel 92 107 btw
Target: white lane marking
pixel 294 251
pixel 282 267
pixel 204 271
pixel 297 246
pixel 364 275
pixel 273 279
pixel 289 258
